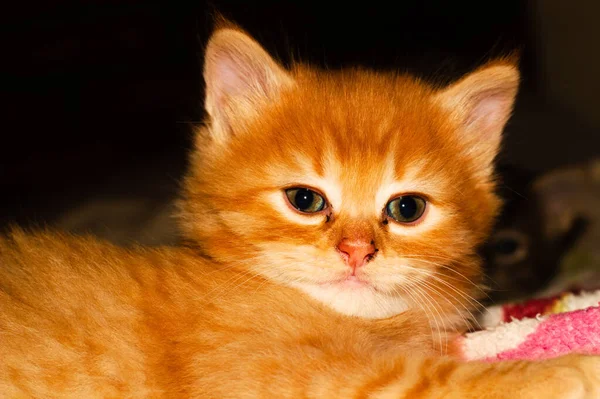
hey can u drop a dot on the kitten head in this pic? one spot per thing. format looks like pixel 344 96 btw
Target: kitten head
pixel 368 191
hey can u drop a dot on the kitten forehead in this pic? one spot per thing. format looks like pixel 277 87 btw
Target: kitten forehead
pixel 332 176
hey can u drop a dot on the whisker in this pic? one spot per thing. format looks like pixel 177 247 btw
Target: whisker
pixel 443 295
pixel 422 294
pixel 427 297
pixel 445 267
pixel 222 288
pixel 420 306
pixel 464 295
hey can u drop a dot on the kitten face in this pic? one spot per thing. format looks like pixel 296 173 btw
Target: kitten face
pixel 357 140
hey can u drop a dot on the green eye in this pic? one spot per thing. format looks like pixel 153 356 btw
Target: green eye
pixel 305 200
pixel 406 209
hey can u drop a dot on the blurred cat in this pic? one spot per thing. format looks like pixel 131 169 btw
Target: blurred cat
pixel 545 238
pixel 521 258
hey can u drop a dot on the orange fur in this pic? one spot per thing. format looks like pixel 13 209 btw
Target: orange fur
pixel 255 304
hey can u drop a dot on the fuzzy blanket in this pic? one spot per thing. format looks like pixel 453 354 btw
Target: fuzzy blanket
pixel 537 329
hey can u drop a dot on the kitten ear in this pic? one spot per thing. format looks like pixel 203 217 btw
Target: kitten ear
pixel 480 104
pixel 240 78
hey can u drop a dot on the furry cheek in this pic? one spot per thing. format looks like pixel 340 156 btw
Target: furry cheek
pixel 394 271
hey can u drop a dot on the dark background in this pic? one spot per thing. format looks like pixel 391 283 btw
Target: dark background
pixel 99 95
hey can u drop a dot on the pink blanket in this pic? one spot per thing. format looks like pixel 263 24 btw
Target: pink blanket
pixel 537 329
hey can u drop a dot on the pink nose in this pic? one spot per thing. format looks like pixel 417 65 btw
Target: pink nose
pixel 356 253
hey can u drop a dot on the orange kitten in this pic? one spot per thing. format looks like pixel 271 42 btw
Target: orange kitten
pixel 331 220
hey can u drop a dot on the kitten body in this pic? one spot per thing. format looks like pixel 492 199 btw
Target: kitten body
pixel 265 299
pixel 103 321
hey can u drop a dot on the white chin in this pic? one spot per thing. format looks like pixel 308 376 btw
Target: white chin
pixel 353 298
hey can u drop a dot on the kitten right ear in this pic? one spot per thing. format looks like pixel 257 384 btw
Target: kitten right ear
pixel 480 104
pixel 240 78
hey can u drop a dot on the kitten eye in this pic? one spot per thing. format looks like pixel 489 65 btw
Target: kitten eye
pixel 506 246
pixel 406 209
pixel 305 200
pixel 509 247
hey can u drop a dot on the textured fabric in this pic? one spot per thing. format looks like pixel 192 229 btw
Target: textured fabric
pixel 568 323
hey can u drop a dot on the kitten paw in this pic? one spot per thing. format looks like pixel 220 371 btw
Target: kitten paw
pixel 575 376
pixel 590 367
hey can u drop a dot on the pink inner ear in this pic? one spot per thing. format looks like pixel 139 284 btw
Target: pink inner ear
pixel 240 77
pixel 236 75
pixel 490 112
pixel 227 80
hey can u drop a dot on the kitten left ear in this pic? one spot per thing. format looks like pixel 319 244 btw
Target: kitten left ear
pixel 480 104
pixel 240 78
